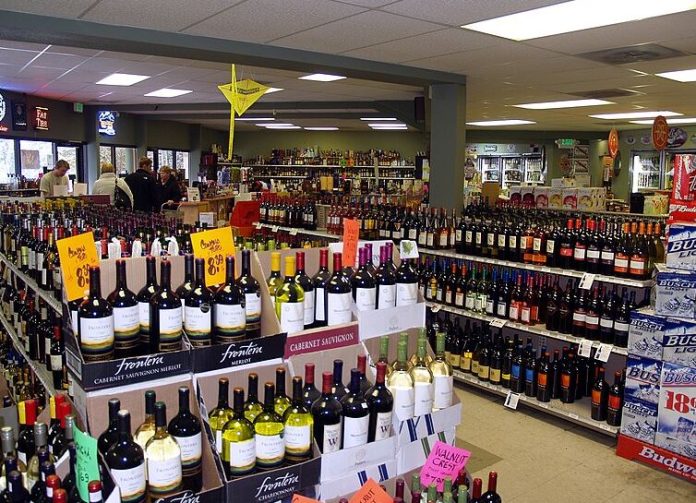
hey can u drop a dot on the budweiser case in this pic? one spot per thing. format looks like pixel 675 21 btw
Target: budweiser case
pixel 675 294
pixel 676 421
pixel 681 247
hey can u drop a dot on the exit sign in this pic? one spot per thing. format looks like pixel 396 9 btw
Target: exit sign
pixel 78 107
pixel 566 142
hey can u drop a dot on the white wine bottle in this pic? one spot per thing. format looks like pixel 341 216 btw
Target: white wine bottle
pixel 299 426
pixel 238 440
pixel 422 382
pixel 289 303
pixel 164 471
pixel 274 280
pixel 400 384
pixel 147 429
pixel 222 413
pixel 443 377
pixel 269 430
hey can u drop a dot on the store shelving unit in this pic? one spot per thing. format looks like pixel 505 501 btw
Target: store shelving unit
pixel 48 297
pixel 297 230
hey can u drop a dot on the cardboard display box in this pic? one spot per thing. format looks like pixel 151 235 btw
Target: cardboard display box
pixel 412 455
pixel 675 294
pixel 676 427
pixel 663 459
pixel 681 246
pixel 668 339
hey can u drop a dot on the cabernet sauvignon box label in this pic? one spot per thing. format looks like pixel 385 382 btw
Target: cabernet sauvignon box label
pixel 244 352
pixel 315 340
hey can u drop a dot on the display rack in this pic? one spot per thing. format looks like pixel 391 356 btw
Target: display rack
pixel 48 297
pixel 297 230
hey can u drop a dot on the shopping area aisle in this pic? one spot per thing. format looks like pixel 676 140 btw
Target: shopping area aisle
pixel 542 459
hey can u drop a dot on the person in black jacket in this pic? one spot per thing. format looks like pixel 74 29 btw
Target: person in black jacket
pixel 170 193
pixel 144 187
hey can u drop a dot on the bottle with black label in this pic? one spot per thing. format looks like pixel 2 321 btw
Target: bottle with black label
pixel 96 322
pixel 185 427
pixel 198 310
pixel 307 285
pixel 126 315
pixel 165 315
pixel 321 280
pixel 338 294
pixel 229 309
pixel 143 298
pixel 252 297
pixel 126 461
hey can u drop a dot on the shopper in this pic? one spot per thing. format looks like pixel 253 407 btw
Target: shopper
pixel 107 184
pixel 144 187
pixel 54 178
pixel 170 193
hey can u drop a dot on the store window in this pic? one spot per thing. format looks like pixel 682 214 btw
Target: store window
pixel 125 159
pixel 105 155
pixel 69 154
pixel 175 159
pixel 182 162
pixel 165 158
pixel 34 157
pixel 7 161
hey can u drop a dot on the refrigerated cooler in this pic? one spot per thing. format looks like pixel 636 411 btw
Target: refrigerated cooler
pixel 510 164
pixel 653 170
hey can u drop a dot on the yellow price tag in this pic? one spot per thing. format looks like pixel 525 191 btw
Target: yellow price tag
pixel 213 246
pixel 77 254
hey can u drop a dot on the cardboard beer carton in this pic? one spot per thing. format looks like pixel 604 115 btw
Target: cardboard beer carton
pixel 676 425
pixel 643 380
pixel 639 420
pixel 681 246
pixel 675 294
pixel 671 340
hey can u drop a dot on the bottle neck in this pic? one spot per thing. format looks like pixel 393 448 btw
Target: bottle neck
pixel 121 281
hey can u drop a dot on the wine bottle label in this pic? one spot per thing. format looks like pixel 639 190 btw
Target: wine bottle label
pixel 579 253
pixel 126 326
pixel 291 317
pixel 470 301
pixel 386 296
pixel 501 240
pixel 339 308
pixel 620 263
pixel 502 306
pixel 144 310
pixel 550 246
pixel 514 312
pixel 444 240
pixel 591 320
pixel 484 371
pixel 606 323
pixel 525 314
pixel 413 234
pixel 309 307
pixel 253 306
pixel 422 238
pixel 429 239
pixel 459 299
pixel 403 402
pixel 579 317
pixel 320 303
pixel 332 437
pixel 230 319
pixel 164 473
pixel 270 449
pixel 495 375
pixel 355 431
pixel 131 482
pixel 97 336
pixel 365 298
pixel 383 425
pixel 22 456
pixel 73 322
pixel 407 294
pixel 443 386
pixel 242 455
pixel 607 256
pixel 512 242
pixel 199 322
pixel 298 439
pixel 171 326
pixel 479 238
pixel 191 450
pixel 593 254
pixel 620 326
pixel 468 237
pixel 56 362
pixel 423 398
pixel 490 306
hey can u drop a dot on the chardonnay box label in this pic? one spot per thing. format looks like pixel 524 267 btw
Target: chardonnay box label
pixel 244 352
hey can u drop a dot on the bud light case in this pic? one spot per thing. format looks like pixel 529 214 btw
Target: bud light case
pixel 645 333
pixel 643 380
pixel 681 247
pixel 639 420
pixel 675 294
pixel 676 418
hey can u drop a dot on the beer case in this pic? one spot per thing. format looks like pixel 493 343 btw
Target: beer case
pixel 681 246
pixel 643 380
pixel 639 420
pixel 675 294
pixel 676 420
pixel 668 339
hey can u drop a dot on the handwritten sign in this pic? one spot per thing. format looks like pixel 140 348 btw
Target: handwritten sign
pixel 351 233
pixel 370 492
pixel 86 465
pixel 443 461
pixel 408 249
pixel 77 254
pixel 213 246
pixel 298 498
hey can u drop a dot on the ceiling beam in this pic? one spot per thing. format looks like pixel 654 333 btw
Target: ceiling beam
pixel 259 105
pixel 77 33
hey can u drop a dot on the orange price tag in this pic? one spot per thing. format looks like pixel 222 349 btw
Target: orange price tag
pixel 371 493
pixel 298 498
pixel 77 254
pixel 351 233
pixel 213 246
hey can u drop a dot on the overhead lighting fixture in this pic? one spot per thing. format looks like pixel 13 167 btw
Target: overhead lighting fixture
pixel 680 75
pixel 678 120
pixel 635 115
pixel 273 90
pixel 254 119
pixel 548 105
pixel 377 118
pixel 322 128
pixel 396 127
pixel 322 77
pixel 281 126
pixel 122 79
pixel 276 124
pixel 576 15
pixel 504 122
pixel 166 92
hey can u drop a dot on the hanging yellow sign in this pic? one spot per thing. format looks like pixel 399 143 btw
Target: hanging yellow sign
pixel 243 94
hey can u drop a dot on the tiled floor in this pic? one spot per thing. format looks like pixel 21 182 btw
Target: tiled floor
pixel 540 458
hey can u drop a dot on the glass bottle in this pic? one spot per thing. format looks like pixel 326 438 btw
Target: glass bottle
pixel 197 315
pixel 229 313
pixel 185 428
pixel 221 413
pixel 126 461
pixel 165 315
pixel 126 315
pixel 147 428
pixel 269 431
pixel 163 455
pixel 252 297
pixel 289 303
pixel 143 298
pixel 327 414
pixel 299 426
pixel 238 440
pixel 96 322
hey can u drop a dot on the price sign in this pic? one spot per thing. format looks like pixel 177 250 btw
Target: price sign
pixel 86 464
pixel 498 323
pixel 351 233
pixel 298 498
pixel 511 400
pixel 587 280
pixel 275 228
pixel 585 348
pixel 603 352
pixel 293 232
pixel 370 492
pixel 443 461
pixel 77 254
pixel 213 246
pixel 408 249
pixel 259 226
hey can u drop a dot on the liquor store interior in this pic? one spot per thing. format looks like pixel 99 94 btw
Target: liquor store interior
pixel 347 251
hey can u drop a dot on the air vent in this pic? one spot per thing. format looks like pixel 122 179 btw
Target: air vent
pixel 632 54
pixel 602 94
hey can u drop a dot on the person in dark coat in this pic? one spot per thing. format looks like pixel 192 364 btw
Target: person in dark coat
pixel 144 187
pixel 170 193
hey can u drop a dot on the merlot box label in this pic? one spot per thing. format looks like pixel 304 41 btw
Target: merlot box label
pixel 321 339
pixel 244 352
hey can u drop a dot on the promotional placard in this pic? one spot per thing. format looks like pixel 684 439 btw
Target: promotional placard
pixel 351 233
pixel 660 133
pixel 87 463
pixel 19 116
pixel 77 254
pixel 443 461
pixel 41 119
pixel 213 246
pixel 371 493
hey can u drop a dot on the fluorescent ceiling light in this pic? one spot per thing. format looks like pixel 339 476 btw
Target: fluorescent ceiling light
pixel 385 127
pixel 168 93
pixel 276 124
pixel 679 120
pixel 635 115
pixel 504 122
pixel 547 105
pixel 322 128
pixel 122 79
pixel 392 124
pixel 273 90
pixel 377 118
pixel 254 119
pixel 575 16
pixel 680 75
pixel 285 127
pixel 322 77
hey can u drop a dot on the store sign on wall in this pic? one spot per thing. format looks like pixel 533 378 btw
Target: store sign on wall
pixel 660 133
pixel 41 118
pixel 107 123
pixel 613 143
pixel 19 116
pixel 3 112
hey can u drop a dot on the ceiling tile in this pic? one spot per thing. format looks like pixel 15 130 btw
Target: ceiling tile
pixel 52 60
pixel 40 73
pixel 15 57
pixel 370 4
pixel 73 8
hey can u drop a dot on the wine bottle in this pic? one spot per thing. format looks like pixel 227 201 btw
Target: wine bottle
pixel 252 297
pixel 165 315
pixel 386 282
pixel 365 383
pixel 238 441
pixel 65 437
pixel 491 495
pixel 363 285
pixel 198 310
pixel 289 303
pixel 96 322
pixel 310 393
pixel 222 413
pixel 229 315
pixel 380 403
pixel 145 431
pixel 126 461
pixel 299 426
pixel 281 401
pixel 42 490
pixel 422 382
pixel 186 287
pixel 274 281
pixel 7 440
pixel 185 427
pixel 406 284
pixel 126 315
pixel 327 414
pixel 143 298
pixel 163 455
pixel 25 440
pixel 15 488
pixel 600 397
pixel 307 286
pixel 615 401
pixel 356 414
pixel 337 386
pixel 400 383
pixel 338 294
pixel 56 357
pixel 111 435
pixel 321 280
pixel 443 376
pixel 269 431
pixel 252 406
pixel 41 443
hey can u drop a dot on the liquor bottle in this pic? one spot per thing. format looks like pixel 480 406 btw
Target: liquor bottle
pixel 185 428
pixel 365 383
pixel 229 315
pixel 25 441
pixel 615 401
pixel 443 376
pixel 252 406
pixel 568 380
pixel 198 310
pixel 327 414
pixel 289 303
pixel 126 315
pixel 299 426
pixel 380 404
pixel 281 401
pixel 356 414
pixel 491 496
pixel 111 435
pixel 400 383
pixel 274 281
pixel 238 441
pixel 143 298
pixel 96 322
pixel 600 397
pixel 186 287
pixel 126 461
pixel 165 315
pixel 386 282
pixel 307 286
pixel 269 431
pixel 321 280
pixel 252 297
pixel 309 392
pixel 163 455
pixel 363 284
pixel 145 431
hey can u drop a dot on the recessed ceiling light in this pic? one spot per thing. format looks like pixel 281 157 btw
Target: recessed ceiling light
pixel 678 120
pixel 276 124
pixel 168 93
pixel 322 128
pixel 680 75
pixel 377 118
pixel 322 77
pixel 635 115
pixel 575 16
pixel 504 122
pixel 122 79
pixel 254 119
pixel 386 124
pixel 273 90
pixel 280 126
pixel 380 127
pixel 547 105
